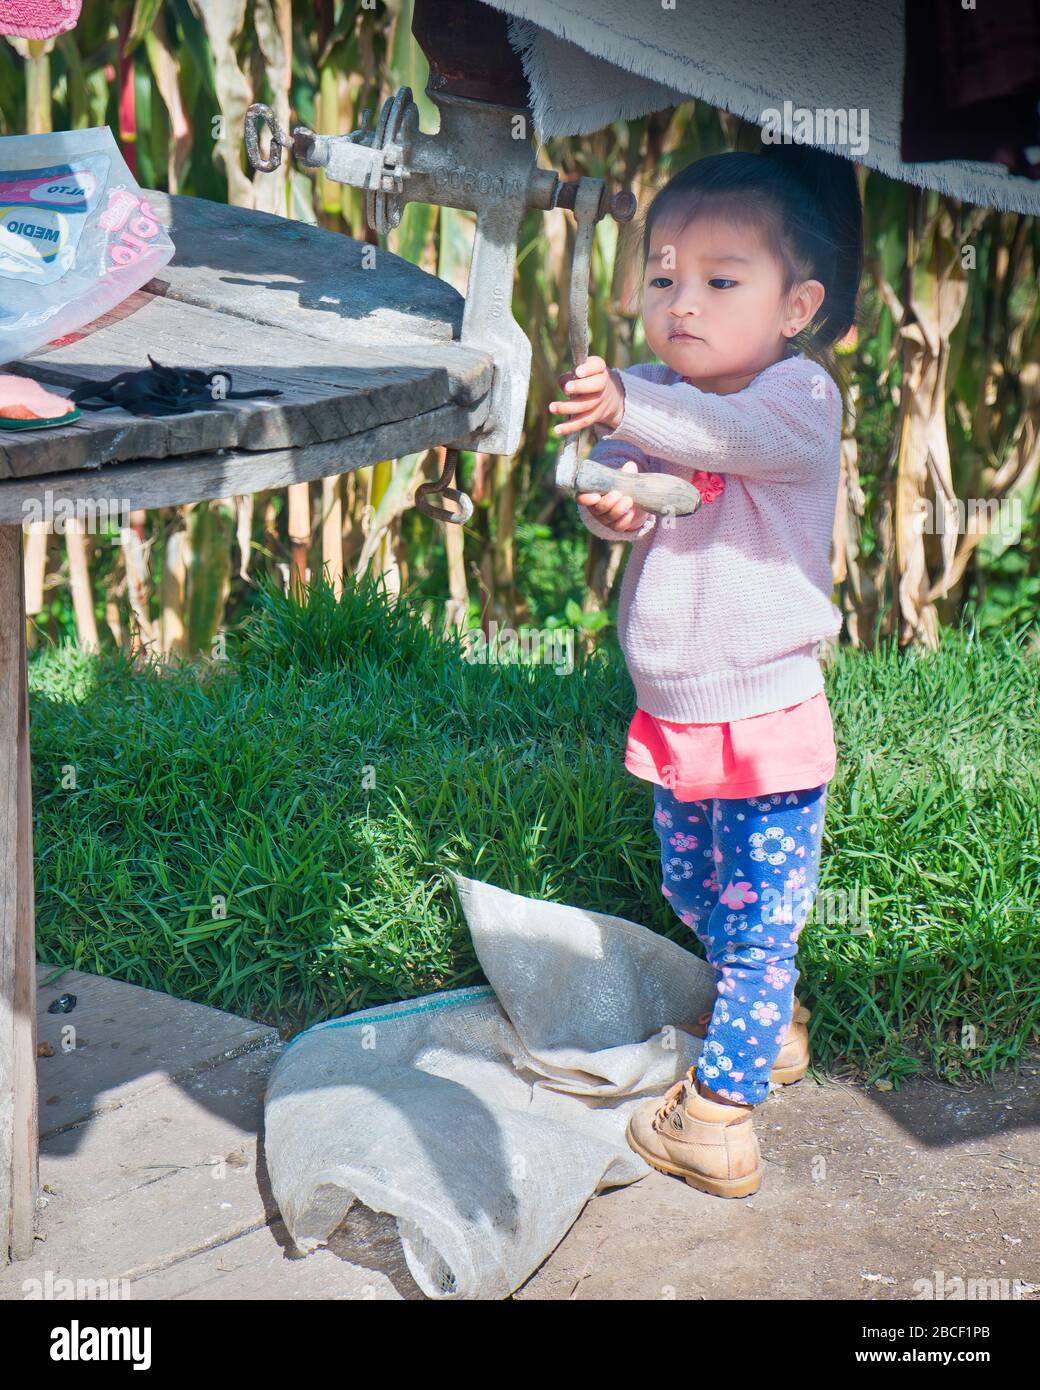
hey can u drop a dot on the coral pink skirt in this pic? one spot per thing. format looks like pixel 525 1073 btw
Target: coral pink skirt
pixel 786 750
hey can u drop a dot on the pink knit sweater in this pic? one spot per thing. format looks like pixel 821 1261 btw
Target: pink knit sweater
pixel 720 613
pixel 38 19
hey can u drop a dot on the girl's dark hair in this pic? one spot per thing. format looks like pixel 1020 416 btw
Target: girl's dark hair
pixel 806 203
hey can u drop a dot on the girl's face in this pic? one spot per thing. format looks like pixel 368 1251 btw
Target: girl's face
pixel 713 303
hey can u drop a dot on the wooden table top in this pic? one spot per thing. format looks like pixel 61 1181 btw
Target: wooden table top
pixel 362 344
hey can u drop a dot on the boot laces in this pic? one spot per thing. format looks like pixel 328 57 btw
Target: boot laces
pixel 672 1097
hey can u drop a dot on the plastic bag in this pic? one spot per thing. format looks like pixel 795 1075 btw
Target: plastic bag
pixel 484 1119
pixel 77 235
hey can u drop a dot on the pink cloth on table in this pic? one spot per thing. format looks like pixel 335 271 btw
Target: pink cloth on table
pixel 22 390
pixel 38 19
pixel 783 751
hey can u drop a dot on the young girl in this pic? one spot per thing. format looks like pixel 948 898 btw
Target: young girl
pixel 751 270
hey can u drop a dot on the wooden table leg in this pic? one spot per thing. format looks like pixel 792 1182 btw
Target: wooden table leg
pixel 19 1126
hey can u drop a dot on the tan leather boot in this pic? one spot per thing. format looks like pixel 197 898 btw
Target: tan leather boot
pixel 792 1061
pixel 711 1145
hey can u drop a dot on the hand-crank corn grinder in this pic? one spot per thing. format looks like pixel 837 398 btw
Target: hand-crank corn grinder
pixel 476 161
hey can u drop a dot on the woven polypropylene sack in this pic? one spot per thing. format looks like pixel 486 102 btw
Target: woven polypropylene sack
pixel 484 1119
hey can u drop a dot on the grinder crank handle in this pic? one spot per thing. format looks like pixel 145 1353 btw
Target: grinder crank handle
pixel 659 493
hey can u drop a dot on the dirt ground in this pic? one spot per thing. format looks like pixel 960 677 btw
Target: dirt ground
pixel 867 1195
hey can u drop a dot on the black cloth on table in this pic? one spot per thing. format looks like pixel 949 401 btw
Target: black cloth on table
pixel 160 390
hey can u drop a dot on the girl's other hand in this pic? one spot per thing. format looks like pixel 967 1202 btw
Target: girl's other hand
pixel 614 508
pixel 597 397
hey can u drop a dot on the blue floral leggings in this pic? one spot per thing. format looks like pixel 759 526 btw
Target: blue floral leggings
pixel 743 875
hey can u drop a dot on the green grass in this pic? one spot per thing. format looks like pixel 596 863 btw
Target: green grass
pixel 270 833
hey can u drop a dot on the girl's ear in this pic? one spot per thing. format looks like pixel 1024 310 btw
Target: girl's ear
pixel 803 305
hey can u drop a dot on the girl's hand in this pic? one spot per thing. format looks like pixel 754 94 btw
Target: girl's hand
pixel 613 508
pixel 597 397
